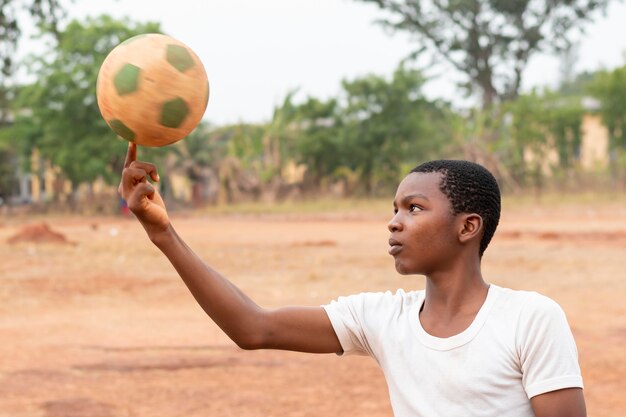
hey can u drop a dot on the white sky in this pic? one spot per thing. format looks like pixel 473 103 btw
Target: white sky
pixel 255 51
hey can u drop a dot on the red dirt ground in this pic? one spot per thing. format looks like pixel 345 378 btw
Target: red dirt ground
pixel 37 233
pixel 104 328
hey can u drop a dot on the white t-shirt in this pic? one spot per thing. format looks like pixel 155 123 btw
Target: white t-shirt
pixel 518 346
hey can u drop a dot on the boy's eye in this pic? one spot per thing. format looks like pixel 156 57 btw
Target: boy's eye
pixel 414 207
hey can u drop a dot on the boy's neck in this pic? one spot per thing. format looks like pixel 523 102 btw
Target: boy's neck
pixel 452 301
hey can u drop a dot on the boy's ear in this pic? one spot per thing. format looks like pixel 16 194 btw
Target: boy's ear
pixel 471 226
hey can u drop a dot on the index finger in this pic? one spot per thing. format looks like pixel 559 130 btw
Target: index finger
pixel 131 154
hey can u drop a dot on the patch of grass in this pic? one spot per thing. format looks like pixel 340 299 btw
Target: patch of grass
pixel 324 205
pixel 556 199
pixel 369 207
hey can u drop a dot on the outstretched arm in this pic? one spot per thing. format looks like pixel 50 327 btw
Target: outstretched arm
pixel 305 329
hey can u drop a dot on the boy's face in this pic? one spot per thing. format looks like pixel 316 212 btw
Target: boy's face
pixel 423 230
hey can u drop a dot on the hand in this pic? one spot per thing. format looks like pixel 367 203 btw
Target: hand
pixel 142 197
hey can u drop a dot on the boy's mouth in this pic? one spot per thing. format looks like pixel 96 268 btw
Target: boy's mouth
pixel 394 247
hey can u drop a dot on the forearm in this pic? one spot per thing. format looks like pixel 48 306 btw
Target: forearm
pixel 233 311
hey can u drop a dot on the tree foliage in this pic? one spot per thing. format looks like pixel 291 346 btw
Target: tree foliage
pixel 320 143
pixel 610 88
pixel 386 123
pixel 539 124
pixel 279 139
pixel 45 14
pixel 7 172
pixel 60 111
pixel 490 41
pixel 365 138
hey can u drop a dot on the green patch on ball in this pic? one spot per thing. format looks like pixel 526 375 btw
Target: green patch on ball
pixel 126 79
pixel 174 112
pixel 206 99
pixel 122 130
pixel 179 57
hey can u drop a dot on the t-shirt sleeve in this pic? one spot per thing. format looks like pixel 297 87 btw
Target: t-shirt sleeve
pixel 548 354
pixel 351 319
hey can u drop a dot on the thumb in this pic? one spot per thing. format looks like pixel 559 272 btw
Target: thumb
pixel 142 191
pixel 149 190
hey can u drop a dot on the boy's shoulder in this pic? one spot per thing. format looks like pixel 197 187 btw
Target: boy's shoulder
pixel 526 302
pixel 523 296
pixel 397 297
pixel 380 303
pixel 397 294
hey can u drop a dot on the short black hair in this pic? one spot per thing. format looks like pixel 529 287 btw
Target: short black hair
pixel 471 188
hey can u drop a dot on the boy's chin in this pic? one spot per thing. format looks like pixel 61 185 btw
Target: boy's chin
pixel 409 269
pixel 405 270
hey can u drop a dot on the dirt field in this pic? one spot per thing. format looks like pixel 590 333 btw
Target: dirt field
pixel 101 326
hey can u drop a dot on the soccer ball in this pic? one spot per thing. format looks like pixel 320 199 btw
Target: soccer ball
pixel 152 90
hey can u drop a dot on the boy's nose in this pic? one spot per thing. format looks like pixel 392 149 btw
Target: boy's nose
pixel 394 225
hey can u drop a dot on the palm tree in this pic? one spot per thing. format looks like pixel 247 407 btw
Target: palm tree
pixel 198 156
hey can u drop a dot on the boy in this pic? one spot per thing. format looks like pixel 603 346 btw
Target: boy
pixel 461 347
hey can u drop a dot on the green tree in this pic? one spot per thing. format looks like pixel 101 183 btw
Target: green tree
pixel 279 138
pixel 536 124
pixel 609 87
pixel 240 171
pixel 524 147
pixel 10 151
pixel 578 86
pixel 198 156
pixel 60 111
pixel 7 172
pixel 245 143
pixel 320 140
pixel 490 41
pixel 565 125
pixel 386 124
pixel 44 13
